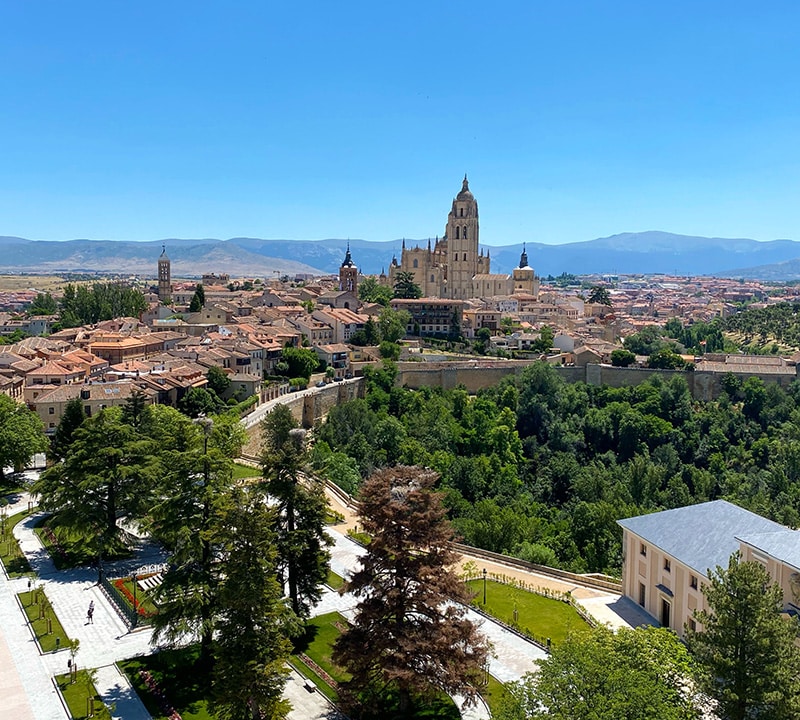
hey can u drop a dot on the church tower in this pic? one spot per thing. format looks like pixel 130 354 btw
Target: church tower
pixel 525 280
pixel 462 244
pixel 164 277
pixel 348 273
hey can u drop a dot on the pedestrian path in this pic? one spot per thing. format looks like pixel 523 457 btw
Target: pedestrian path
pixel 26 676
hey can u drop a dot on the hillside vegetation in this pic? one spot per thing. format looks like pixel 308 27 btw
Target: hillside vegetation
pixel 542 469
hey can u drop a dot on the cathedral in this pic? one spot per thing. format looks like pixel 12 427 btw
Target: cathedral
pixel 455 267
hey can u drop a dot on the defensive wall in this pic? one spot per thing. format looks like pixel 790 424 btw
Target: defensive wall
pixel 308 406
pixel 474 375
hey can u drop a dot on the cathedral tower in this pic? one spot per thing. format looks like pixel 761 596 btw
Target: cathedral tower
pixel 164 277
pixel 462 244
pixel 348 273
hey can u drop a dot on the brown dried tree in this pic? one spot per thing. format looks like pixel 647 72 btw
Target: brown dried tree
pixel 410 635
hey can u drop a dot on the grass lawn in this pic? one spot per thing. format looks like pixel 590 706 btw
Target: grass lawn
pixel 15 562
pixel 243 472
pixel 334 581
pixel 175 675
pixel 72 549
pixel 493 693
pixel 46 632
pixel 537 616
pixel 79 694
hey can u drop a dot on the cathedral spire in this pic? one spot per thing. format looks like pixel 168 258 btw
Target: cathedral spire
pixel 523 260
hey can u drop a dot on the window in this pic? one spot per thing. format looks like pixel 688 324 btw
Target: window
pixel 52 425
pixel 693 582
pixel 458 232
pixel 667 565
pixel 416 263
pixel 465 254
pixel 642 549
pixel 692 625
pixel 431 278
pixel 462 212
pixel 465 232
pixel 642 594
pixel 51 410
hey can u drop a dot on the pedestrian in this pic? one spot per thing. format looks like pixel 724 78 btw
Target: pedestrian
pixel 90 614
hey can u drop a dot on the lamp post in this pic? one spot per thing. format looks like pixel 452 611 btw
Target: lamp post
pixel 99 557
pixel 484 587
pixel 134 580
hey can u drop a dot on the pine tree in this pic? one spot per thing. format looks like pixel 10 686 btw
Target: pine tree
pixel 301 504
pixel 745 647
pixel 251 645
pixel 71 420
pixel 410 634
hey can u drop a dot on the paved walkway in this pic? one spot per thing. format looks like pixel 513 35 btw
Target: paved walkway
pixel 26 687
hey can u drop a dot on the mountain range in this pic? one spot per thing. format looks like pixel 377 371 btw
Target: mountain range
pixel 627 253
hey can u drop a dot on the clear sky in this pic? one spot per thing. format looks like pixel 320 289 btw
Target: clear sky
pixel 574 120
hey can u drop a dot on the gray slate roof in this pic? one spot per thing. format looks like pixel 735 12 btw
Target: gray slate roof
pixel 783 546
pixel 700 536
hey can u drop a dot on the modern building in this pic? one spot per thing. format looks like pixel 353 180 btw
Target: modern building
pixel 668 556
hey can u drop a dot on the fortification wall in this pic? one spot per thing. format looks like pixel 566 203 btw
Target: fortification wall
pixel 482 374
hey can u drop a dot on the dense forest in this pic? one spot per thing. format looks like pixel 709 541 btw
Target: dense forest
pixel 542 469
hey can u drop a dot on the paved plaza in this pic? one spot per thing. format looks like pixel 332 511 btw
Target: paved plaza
pixel 27 690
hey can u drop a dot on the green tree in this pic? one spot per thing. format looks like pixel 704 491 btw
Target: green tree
pixel 43 304
pixel 21 435
pixel 622 358
pixel 640 674
pixel 251 645
pixel 200 401
pixel 405 287
pixel 407 634
pixel 109 470
pixel 666 359
pixel 101 301
pixel 301 508
pixel 599 295
pixel 201 293
pixel 371 291
pixel 545 341
pixel 218 380
pixel 71 420
pixel 301 362
pixel 745 648
pixel 392 324
pixel 187 517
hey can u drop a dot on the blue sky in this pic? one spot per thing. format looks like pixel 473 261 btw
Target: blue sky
pixel 148 120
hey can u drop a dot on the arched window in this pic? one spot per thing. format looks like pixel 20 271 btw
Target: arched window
pixel 465 256
pixel 462 212
pixel 457 232
pixel 465 232
pixel 416 262
pixel 432 280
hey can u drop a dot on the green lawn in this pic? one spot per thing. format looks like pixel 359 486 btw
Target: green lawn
pixel 15 562
pixel 244 472
pixel 334 581
pixel 175 673
pixel 80 694
pixel 537 616
pixel 43 619
pixel 73 549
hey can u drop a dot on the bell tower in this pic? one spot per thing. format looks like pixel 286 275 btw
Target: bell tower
pixel 462 244
pixel 348 273
pixel 164 277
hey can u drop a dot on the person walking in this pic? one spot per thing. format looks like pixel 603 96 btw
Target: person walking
pixel 90 614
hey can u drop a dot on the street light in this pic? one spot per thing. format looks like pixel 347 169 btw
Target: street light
pixel 484 587
pixel 134 579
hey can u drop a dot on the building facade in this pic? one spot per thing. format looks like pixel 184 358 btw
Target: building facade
pixel 667 557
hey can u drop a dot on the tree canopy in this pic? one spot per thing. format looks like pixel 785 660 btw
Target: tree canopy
pixel 21 435
pixel 407 633
pixel 83 305
pixel 746 650
pixel 641 674
pixel 405 287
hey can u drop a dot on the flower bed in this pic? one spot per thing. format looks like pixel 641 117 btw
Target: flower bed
pixel 135 603
pixel 156 691
pixel 55 543
pixel 318 670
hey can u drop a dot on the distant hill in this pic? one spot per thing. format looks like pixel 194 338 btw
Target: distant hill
pixel 645 252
